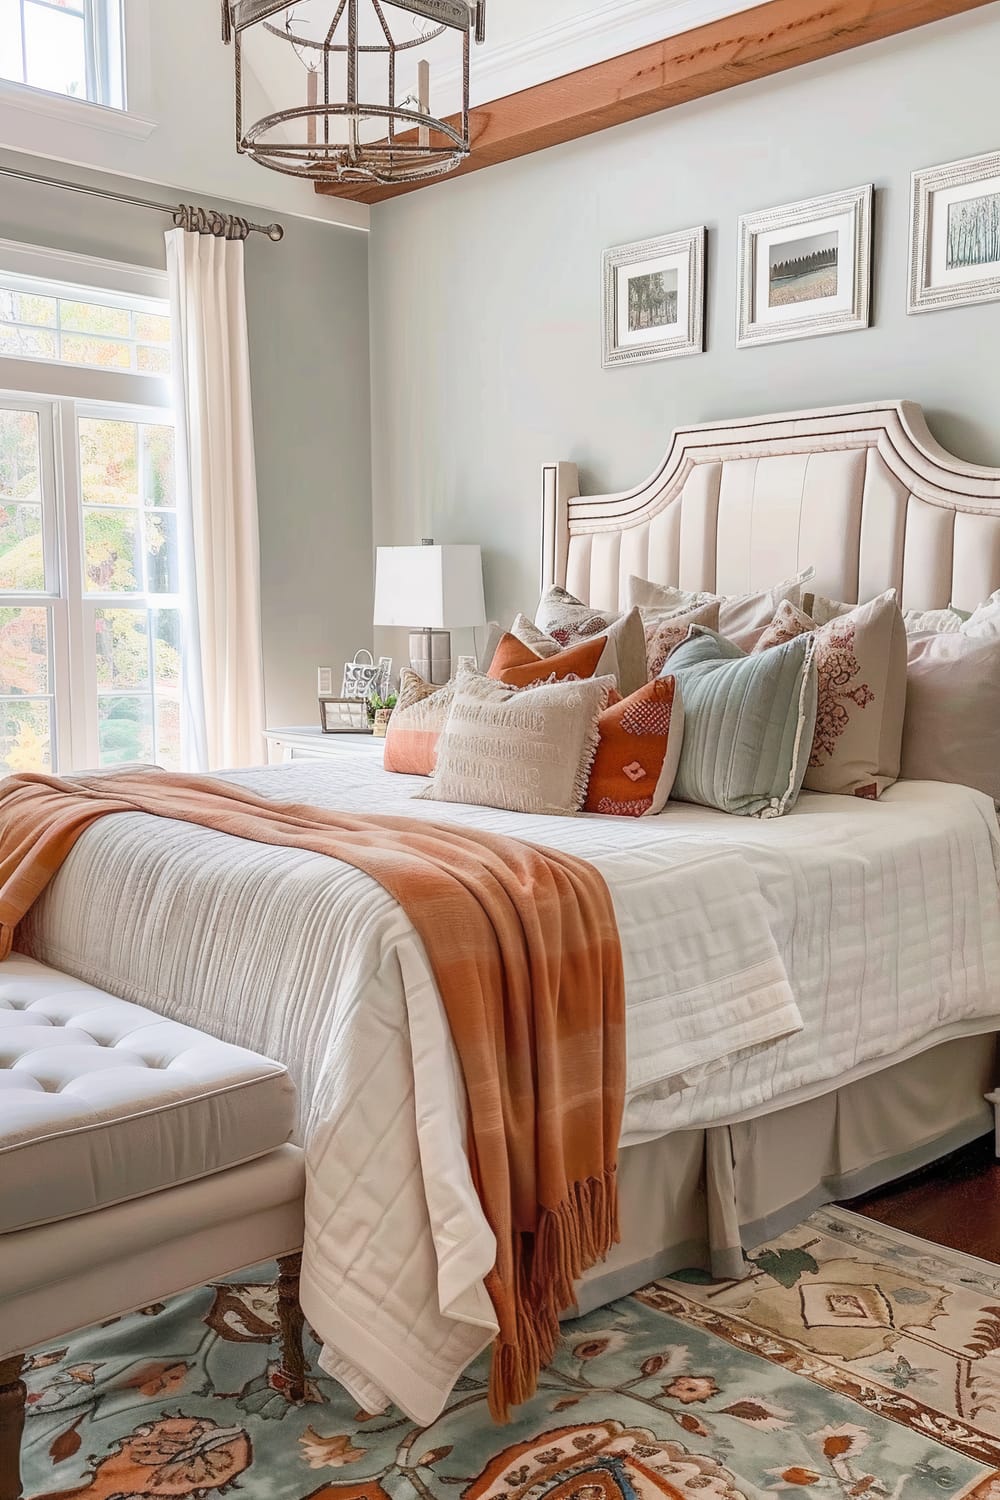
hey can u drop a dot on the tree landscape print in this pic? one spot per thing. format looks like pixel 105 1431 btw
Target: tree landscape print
pixel 974 232
pixel 803 270
pixel 652 300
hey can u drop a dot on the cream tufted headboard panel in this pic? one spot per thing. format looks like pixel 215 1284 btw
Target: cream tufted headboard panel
pixel 862 492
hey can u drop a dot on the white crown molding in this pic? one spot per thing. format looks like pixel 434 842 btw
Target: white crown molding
pixel 609 30
pixel 70 111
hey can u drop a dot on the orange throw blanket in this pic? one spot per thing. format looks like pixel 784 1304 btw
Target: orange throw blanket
pixel 524 947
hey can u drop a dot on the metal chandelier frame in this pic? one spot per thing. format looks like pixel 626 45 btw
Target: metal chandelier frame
pixel 414 146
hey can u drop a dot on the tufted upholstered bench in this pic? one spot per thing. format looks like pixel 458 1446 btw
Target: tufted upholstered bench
pixel 138 1158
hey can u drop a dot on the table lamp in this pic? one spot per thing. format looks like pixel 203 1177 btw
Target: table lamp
pixel 431 591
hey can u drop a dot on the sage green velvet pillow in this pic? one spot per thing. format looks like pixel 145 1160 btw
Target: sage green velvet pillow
pixel 748 723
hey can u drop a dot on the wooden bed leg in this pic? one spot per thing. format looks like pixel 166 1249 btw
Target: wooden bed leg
pixel 12 1397
pixel 291 1322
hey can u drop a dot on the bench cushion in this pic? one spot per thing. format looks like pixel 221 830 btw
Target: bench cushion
pixel 102 1101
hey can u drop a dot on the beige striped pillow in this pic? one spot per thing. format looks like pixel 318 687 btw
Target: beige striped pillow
pixel 522 749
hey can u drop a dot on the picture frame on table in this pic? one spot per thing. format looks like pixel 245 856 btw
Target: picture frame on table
pixel 344 716
pixel 805 269
pixel 955 234
pixel 654 298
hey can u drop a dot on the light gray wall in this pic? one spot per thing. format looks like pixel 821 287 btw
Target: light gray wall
pixel 307 305
pixel 486 295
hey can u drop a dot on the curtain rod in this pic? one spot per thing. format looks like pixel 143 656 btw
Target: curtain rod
pixel 201 220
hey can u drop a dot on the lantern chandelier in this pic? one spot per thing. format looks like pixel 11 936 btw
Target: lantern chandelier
pixel 353 78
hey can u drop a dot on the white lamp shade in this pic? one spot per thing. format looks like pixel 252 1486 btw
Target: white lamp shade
pixel 429 588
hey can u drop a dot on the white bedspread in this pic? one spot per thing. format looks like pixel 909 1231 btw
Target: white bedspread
pixel 884 917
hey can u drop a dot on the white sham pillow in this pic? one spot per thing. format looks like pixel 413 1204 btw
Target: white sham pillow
pixel 742 617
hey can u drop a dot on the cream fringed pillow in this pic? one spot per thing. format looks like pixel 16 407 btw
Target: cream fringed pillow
pixel 522 749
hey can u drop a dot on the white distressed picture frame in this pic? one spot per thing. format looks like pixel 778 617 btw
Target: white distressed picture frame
pixel 845 215
pixel 682 257
pixel 933 285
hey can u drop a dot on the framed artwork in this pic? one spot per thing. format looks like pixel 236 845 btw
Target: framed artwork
pixel 955 234
pixel 654 298
pixel 805 269
pixel 344 716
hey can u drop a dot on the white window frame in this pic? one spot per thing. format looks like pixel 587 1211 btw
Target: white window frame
pixel 60 395
pixel 104 52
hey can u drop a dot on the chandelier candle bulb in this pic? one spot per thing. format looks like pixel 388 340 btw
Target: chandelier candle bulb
pixel 424 98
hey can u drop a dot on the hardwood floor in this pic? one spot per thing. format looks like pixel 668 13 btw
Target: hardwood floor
pixel 956 1202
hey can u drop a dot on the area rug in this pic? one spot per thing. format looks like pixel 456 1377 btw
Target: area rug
pixel 853 1361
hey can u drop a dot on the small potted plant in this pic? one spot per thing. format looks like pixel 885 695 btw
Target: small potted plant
pixel 380 712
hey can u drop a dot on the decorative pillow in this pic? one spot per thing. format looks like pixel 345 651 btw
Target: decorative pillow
pixel 665 632
pixel 518 666
pixel 527 750
pixel 624 656
pixel 952 726
pixel 984 622
pixel 638 753
pixel 417 721
pixel 741 616
pixel 917 621
pixel 861 665
pixel 568 621
pixel 748 723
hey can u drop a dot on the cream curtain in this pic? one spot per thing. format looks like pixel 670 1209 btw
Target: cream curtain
pixel 225 697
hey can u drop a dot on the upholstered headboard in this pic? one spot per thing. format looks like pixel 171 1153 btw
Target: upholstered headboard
pixel 862 492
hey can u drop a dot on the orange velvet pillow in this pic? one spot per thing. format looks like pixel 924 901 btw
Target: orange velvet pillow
pixel 639 750
pixel 518 666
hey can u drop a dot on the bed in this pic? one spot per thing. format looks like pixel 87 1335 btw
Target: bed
pixel 812 1004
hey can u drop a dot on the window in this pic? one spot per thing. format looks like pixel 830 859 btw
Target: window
pixel 107 332
pixel 93 605
pixel 71 47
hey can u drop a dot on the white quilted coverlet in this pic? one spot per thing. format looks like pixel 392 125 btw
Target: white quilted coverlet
pixel 883 916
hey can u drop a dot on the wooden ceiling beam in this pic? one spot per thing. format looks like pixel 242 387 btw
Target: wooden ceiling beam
pixel 757 43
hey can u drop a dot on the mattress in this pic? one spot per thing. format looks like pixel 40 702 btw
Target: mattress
pixel 763 960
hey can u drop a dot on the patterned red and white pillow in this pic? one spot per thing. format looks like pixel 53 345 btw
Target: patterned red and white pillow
pixel 861 669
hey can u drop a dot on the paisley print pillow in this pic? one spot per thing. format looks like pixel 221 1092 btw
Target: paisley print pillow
pixel 861 670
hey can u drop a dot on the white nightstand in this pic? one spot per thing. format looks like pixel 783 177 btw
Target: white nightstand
pixel 303 742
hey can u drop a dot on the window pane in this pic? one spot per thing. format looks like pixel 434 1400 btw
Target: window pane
pixel 152 329
pixel 110 551
pixel 152 361
pixel 24 307
pixel 125 729
pixel 24 651
pixel 167 647
pixel 90 317
pixel 161 553
pixel 109 462
pixel 106 354
pixel 158 465
pixel 25 735
pixel 19 455
pixel 22 566
pixel 122 648
pixel 10 42
pixel 168 733
pixel 56 49
pixel 27 343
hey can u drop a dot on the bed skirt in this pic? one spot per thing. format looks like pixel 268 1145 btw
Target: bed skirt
pixel 703 1197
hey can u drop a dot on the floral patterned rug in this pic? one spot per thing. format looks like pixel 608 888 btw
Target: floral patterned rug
pixel 853 1361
